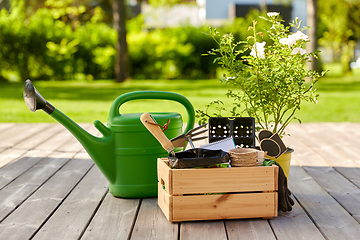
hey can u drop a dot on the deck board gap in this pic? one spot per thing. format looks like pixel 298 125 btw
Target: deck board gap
pixel 28 135
pixel 21 173
pixel 34 191
pixel 95 210
pixel 179 229
pixel 309 215
pixel 27 149
pixel 134 220
pixel 40 159
pixel 62 200
pixel 272 229
pixel 331 195
pixel 226 232
pixel 347 178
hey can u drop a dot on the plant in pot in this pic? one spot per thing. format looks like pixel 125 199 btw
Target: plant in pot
pixel 266 81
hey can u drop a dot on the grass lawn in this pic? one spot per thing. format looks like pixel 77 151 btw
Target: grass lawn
pixel 87 101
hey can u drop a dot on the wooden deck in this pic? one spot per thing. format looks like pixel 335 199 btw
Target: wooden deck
pixel 50 189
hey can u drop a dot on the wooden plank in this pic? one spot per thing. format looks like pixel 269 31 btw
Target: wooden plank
pixel 73 145
pixel 345 192
pixel 54 137
pixel 255 229
pixel 344 162
pixel 348 166
pixel 21 133
pixel 326 144
pixel 114 219
pixel 164 174
pixel 56 140
pixel 8 130
pixel 165 203
pixel 12 171
pixel 72 217
pixel 22 187
pixel 6 126
pixel 215 180
pixel 40 138
pixel 152 224
pixel 352 141
pixel 332 181
pixel 14 153
pixel 348 132
pixel 339 187
pixel 29 216
pixel 308 155
pixel 18 133
pixel 332 220
pixel 224 206
pixel 11 155
pixel 294 225
pixel 351 132
pixel 209 230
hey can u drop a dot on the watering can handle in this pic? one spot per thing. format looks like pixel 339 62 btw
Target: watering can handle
pixel 114 110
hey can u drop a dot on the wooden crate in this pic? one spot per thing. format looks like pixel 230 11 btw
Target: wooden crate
pixel 217 193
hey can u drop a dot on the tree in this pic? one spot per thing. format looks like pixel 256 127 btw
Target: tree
pixel 5 4
pixel 122 58
pixel 312 46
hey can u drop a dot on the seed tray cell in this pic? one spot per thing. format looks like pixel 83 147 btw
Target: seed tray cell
pixel 242 129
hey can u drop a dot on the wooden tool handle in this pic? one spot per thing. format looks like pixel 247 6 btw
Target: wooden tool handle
pixel 156 131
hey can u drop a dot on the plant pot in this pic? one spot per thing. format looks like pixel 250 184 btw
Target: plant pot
pixel 284 161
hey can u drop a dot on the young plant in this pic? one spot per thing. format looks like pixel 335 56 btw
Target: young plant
pixel 266 82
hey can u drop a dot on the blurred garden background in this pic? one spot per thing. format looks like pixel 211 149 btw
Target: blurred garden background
pixel 73 51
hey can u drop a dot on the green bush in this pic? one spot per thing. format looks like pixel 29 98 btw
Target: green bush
pixel 239 26
pixel 14 41
pixel 45 46
pixel 194 65
pixel 177 52
pixel 41 47
pixel 84 53
pixel 170 53
pixel 96 52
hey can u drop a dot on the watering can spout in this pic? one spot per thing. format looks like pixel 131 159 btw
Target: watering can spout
pixel 100 149
pixel 34 100
pixel 126 153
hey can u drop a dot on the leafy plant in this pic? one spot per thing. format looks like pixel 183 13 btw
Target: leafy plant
pixel 266 82
pixel 170 53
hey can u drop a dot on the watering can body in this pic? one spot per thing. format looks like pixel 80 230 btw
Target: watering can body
pixel 136 153
pixel 127 152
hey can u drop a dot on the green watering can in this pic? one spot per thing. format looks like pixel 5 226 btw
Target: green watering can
pixel 127 152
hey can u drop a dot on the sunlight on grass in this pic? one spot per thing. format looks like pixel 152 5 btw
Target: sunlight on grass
pixel 89 101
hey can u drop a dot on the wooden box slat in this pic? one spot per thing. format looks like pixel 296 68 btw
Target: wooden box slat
pixel 215 180
pixel 224 206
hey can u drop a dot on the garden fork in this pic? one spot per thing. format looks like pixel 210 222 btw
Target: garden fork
pixel 180 141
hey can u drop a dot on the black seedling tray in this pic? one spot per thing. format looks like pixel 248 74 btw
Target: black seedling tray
pixel 242 129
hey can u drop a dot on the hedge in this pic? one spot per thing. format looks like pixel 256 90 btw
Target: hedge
pixel 44 47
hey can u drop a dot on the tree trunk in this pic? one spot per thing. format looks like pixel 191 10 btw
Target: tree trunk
pixel 5 4
pixel 263 6
pixel 121 59
pixel 313 44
